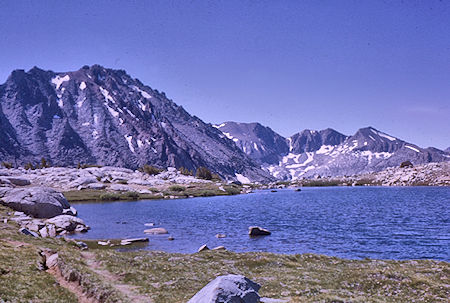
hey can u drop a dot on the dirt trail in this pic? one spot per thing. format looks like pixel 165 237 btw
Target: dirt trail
pixel 73 286
pixel 127 290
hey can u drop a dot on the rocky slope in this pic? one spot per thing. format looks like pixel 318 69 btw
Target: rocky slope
pixel 259 142
pixel 433 174
pixel 327 152
pixel 103 116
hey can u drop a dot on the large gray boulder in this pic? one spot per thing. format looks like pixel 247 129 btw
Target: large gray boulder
pixel 83 181
pixel 19 181
pixel 228 289
pixel 67 223
pixel 39 202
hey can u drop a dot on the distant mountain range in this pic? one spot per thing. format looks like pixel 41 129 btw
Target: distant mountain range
pixel 97 115
pixel 325 152
pixel 102 116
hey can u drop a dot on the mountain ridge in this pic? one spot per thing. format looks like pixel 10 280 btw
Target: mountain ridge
pixel 330 153
pixel 104 116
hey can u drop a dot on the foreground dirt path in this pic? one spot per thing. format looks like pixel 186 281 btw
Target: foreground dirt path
pixel 128 291
pixel 73 287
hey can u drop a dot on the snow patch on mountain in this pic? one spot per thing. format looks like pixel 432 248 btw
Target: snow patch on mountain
pixel 412 148
pixel 142 92
pixel 381 134
pixel 58 80
pixel 242 179
pixel 130 142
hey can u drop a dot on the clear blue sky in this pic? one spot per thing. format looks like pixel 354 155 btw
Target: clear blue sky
pixel 290 65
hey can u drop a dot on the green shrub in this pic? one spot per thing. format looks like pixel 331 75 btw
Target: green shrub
pixel 109 196
pixel 28 166
pixel 44 163
pixel 132 195
pixel 122 182
pixel 150 170
pixel 206 193
pixel 203 173
pixel 177 188
pixel 406 164
pixel 216 177
pixel 232 190
pixel 186 172
pixel 7 165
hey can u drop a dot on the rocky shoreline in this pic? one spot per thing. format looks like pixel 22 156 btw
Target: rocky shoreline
pixel 40 197
pixel 430 174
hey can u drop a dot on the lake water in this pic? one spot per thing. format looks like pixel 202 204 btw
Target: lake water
pixel 348 222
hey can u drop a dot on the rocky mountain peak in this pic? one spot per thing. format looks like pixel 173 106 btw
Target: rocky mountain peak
pixel 103 116
pixel 259 142
pixel 311 140
pixel 330 153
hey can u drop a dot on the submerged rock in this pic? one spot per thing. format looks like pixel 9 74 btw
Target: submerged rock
pixel 228 289
pixel 133 240
pixel 156 231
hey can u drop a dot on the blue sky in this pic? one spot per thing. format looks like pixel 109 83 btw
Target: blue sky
pixel 289 65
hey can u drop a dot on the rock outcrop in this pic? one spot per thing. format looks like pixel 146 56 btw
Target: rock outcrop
pixel 228 289
pixel 39 202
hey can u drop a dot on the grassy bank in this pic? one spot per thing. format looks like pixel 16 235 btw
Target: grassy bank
pixel 162 192
pixel 111 276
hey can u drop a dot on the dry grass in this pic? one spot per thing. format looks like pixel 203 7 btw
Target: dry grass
pixel 298 278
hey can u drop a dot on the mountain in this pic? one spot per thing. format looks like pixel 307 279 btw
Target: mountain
pixel 311 140
pixel 330 153
pixel 103 116
pixel 259 142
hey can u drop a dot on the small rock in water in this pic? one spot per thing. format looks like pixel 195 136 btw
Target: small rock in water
pixel 203 248
pixel 156 231
pixel 298 189
pixel 273 191
pixel 221 236
pixel 133 240
pixel 258 231
pixel 149 224
pixel 219 248
pixel 170 238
